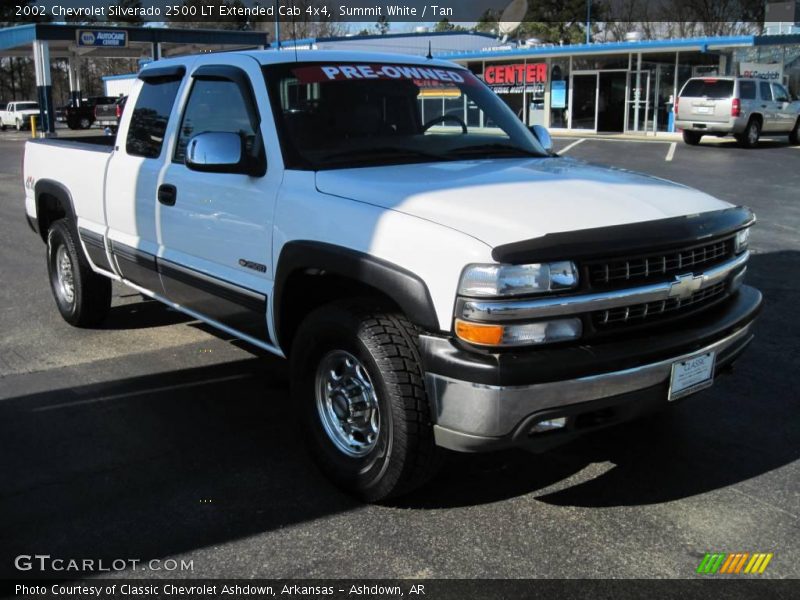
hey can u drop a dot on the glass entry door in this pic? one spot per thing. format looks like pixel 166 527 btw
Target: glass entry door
pixel 639 105
pixel 584 101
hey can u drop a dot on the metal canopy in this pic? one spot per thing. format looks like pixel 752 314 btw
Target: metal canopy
pixel 45 41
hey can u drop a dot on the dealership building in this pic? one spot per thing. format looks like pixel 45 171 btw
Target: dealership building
pixel 598 87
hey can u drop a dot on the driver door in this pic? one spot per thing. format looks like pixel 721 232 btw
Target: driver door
pixel 215 229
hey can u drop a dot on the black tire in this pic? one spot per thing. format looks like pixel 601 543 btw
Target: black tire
pixel 692 137
pixel 385 345
pixel 72 124
pixel 2 127
pixel 749 137
pixel 84 123
pixel 794 135
pixel 91 293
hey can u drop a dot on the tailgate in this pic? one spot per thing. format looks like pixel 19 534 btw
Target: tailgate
pixel 704 109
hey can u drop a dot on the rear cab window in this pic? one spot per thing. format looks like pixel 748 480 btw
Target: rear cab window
pixel 708 88
pixel 747 90
pixel 150 116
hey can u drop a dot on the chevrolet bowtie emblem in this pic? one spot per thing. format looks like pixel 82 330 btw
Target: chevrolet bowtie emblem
pixel 685 285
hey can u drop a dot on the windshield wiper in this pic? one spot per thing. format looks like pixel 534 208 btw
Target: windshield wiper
pixel 374 153
pixel 497 149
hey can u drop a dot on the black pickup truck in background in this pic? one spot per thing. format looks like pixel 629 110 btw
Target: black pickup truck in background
pixel 108 115
pixel 82 117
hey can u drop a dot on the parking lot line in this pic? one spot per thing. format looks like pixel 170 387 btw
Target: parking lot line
pixel 671 151
pixel 572 145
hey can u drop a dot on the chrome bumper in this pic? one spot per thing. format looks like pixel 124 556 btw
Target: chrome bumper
pixel 465 410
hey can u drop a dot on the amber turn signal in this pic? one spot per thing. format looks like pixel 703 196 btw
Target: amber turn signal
pixel 479 333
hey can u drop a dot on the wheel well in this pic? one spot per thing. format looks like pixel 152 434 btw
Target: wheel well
pixel 308 289
pixel 48 210
pixel 757 117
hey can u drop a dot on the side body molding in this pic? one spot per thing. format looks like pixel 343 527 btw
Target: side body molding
pixel 404 287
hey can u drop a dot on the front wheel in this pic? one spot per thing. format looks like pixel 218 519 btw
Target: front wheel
pixel 82 296
pixel 691 137
pixel 358 384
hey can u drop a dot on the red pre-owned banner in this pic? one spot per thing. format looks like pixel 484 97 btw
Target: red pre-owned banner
pixel 339 72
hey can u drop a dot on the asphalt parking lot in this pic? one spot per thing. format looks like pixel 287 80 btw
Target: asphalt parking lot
pixel 154 437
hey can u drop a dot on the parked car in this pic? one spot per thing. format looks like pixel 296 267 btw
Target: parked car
pixel 433 285
pixel 18 114
pixel 82 117
pixel 738 105
pixel 108 115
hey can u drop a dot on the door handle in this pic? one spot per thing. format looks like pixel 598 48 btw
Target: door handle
pixel 167 194
pixel 763 106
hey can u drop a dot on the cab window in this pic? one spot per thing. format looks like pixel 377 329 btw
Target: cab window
pixel 150 117
pixel 779 93
pixel 747 90
pixel 766 94
pixel 215 105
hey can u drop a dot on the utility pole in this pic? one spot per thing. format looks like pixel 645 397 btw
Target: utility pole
pixel 588 21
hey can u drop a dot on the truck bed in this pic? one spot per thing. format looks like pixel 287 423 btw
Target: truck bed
pixel 75 164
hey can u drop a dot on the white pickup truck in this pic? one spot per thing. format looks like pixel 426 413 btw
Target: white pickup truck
pixel 436 275
pixel 18 114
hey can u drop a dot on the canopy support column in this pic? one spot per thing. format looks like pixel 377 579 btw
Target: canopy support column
pixel 44 87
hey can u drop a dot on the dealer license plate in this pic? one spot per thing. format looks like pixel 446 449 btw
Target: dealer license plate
pixel 691 375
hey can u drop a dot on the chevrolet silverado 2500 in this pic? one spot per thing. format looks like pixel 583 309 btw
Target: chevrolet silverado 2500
pixel 436 275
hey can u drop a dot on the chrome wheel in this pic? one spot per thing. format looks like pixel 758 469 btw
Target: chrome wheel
pixel 347 403
pixel 65 275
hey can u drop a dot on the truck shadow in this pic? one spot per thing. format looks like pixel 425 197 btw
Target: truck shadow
pixel 157 465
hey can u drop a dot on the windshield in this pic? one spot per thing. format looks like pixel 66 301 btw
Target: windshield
pixel 27 106
pixel 337 115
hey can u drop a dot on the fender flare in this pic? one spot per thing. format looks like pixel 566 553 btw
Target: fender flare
pixel 60 193
pixel 407 289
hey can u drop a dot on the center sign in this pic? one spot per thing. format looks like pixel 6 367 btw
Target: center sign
pixel 519 74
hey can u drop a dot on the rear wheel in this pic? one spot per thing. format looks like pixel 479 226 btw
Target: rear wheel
pixel 794 136
pixel 85 123
pixel 749 138
pixel 358 384
pixel 19 124
pixel 82 296
pixel 692 137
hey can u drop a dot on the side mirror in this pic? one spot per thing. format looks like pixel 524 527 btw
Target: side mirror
pixel 221 152
pixel 541 134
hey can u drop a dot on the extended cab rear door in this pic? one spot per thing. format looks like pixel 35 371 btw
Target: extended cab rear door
pixel 134 173
pixel 215 228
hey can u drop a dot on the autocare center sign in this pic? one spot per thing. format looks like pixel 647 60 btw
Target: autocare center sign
pixel 516 78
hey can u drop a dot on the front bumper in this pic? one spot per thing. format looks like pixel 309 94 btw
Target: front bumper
pixel 491 401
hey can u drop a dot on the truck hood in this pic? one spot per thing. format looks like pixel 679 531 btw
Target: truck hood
pixel 508 200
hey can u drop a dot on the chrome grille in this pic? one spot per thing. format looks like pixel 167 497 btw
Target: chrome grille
pixel 651 311
pixel 646 267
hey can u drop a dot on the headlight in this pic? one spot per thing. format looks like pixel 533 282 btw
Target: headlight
pixel 518 280
pixel 522 334
pixel 742 239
